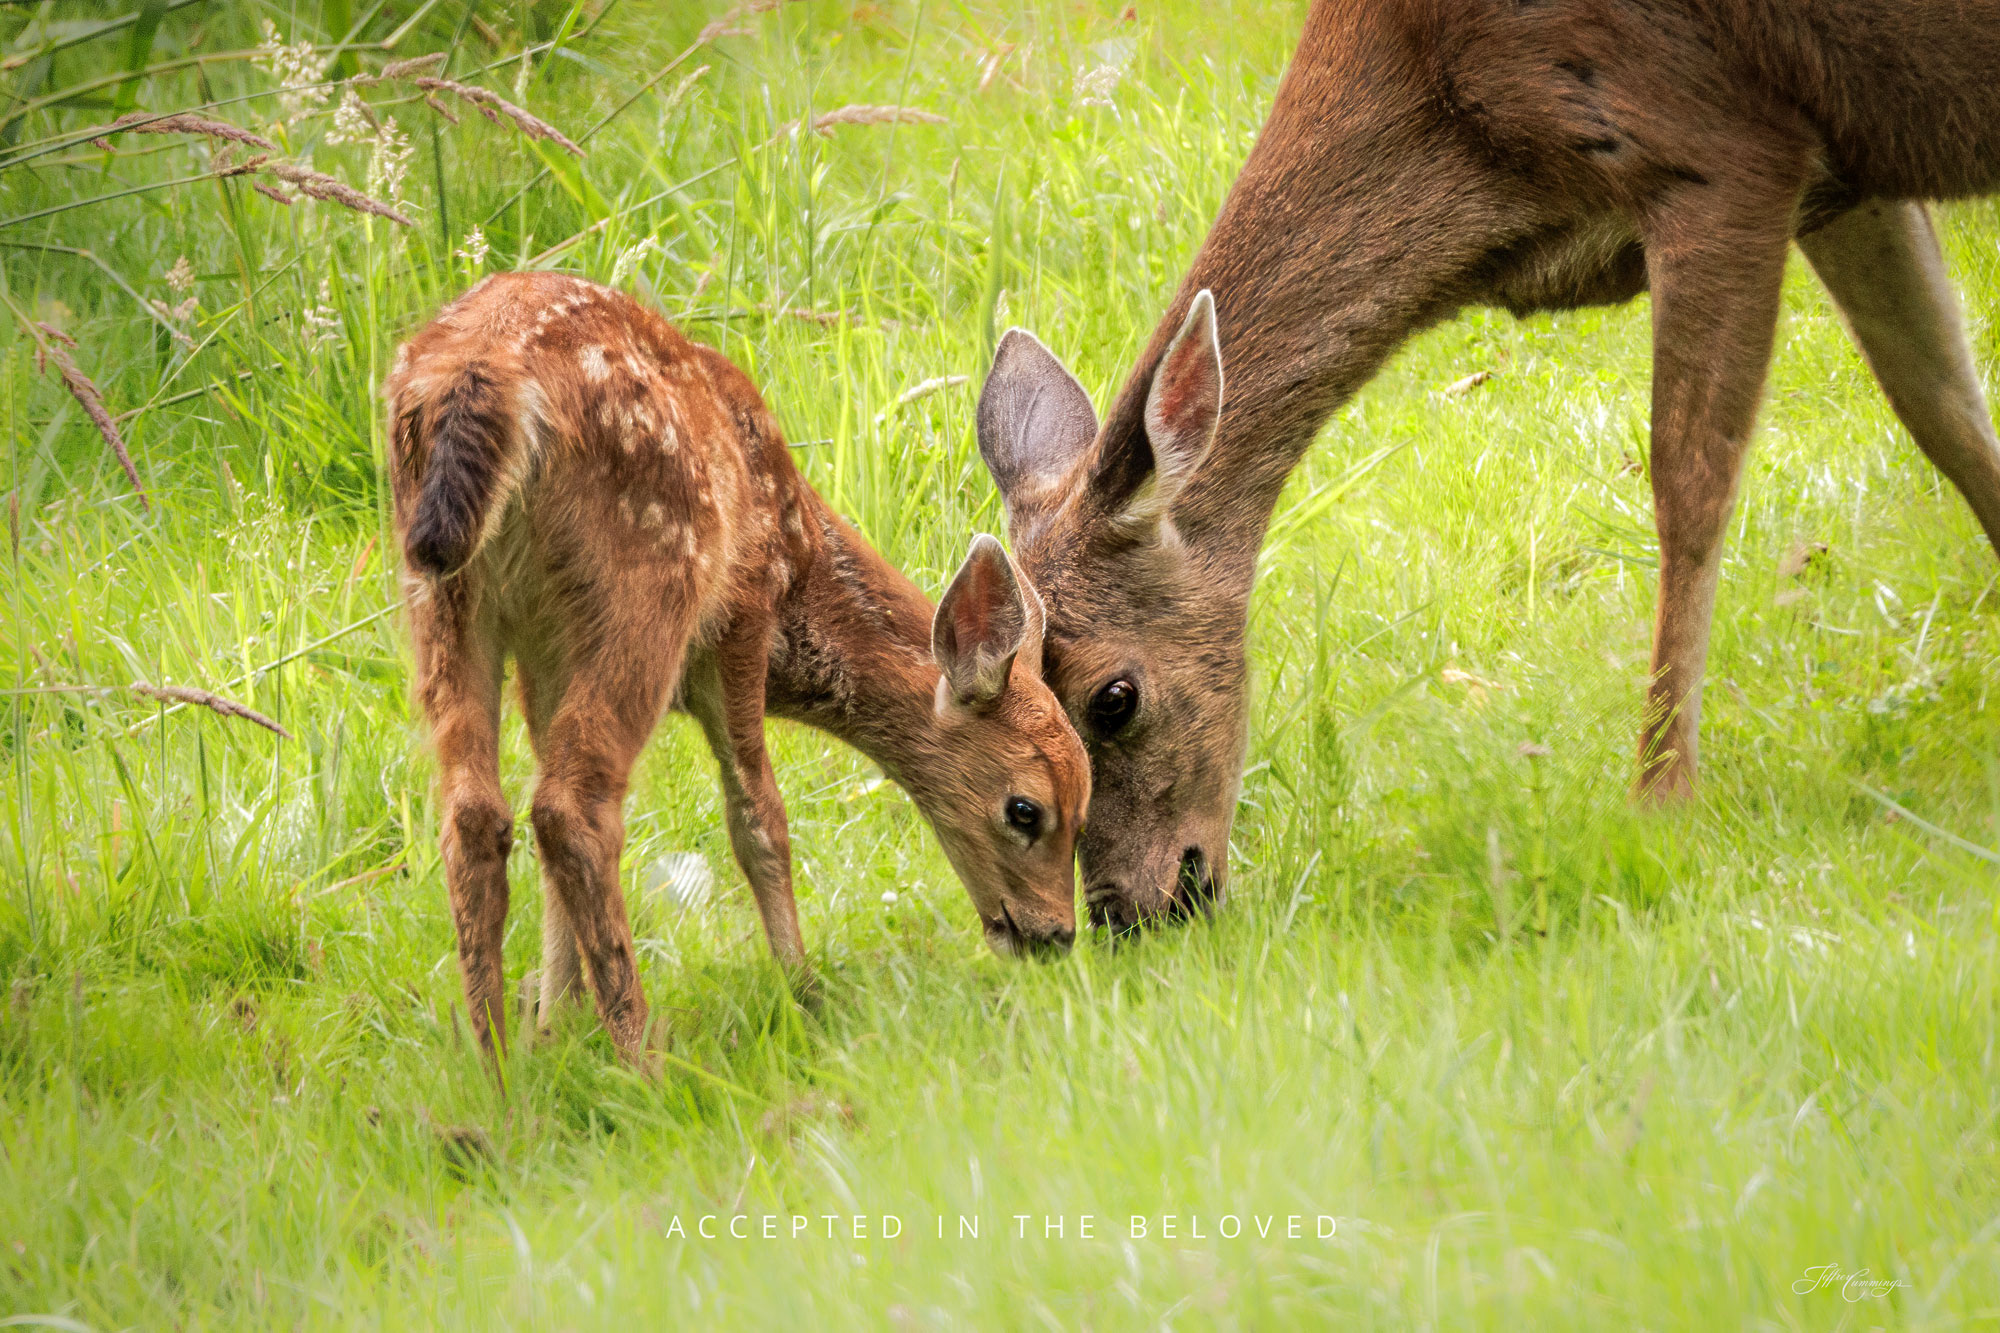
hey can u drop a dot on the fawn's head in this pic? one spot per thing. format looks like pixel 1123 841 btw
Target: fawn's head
pixel 1145 629
pixel 1006 780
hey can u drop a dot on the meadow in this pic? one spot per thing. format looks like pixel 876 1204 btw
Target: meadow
pixel 1544 1059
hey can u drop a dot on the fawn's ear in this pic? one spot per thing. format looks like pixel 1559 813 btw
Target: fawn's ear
pixel 1141 473
pixel 1035 420
pixel 986 618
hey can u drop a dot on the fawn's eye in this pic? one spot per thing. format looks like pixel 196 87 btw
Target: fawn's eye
pixel 1112 707
pixel 1024 816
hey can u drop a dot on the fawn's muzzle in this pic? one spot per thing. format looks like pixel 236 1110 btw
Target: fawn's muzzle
pixel 1043 941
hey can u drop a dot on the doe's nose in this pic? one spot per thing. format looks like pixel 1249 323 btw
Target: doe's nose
pixel 1194 885
pixel 1053 943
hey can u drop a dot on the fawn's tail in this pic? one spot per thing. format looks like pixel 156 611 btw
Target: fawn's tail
pixel 460 454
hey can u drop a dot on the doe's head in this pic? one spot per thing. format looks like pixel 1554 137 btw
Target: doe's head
pixel 1009 782
pixel 1145 622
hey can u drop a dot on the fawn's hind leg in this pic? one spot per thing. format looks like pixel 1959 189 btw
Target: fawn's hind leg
pixel 610 707
pixel 1881 264
pixel 459 686
pixel 728 700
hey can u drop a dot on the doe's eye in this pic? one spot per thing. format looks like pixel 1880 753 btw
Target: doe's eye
pixel 1112 707
pixel 1024 815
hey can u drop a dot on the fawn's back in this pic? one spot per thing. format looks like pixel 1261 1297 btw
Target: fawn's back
pixel 662 489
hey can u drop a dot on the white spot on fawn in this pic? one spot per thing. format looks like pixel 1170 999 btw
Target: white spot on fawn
pixel 655 515
pixel 591 359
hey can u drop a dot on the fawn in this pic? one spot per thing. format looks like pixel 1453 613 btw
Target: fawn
pixel 579 485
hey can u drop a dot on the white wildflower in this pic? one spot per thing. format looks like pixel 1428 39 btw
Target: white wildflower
pixel 391 163
pixel 1095 86
pixel 1920 688
pixel 351 123
pixel 180 278
pixel 296 68
pixel 474 249
pixel 323 320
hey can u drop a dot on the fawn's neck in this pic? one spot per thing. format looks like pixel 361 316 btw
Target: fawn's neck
pixel 855 660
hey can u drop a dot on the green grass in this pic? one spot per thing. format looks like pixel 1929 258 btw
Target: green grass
pixel 1551 1062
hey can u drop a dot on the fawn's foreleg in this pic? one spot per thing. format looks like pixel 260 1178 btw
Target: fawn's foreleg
pixel 730 705
pixel 543 676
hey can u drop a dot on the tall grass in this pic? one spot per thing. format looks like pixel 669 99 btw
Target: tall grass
pixel 1547 1060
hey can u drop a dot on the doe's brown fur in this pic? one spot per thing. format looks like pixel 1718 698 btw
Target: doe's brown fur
pixel 579 486
pixel 1426 155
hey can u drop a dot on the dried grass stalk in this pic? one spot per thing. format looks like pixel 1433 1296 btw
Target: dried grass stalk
pixel 214 703
pixel 186 122
pixel 920 391
pixel 726 26
pixel 55 347
pixel 273 192
pixel 824 318
pixel 225 167
pixel 319 185
pixel 493 106
pixel 408 69
pixel 863 114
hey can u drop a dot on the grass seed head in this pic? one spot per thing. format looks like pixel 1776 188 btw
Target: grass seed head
pixel 55 347
pixel 493 106
pixel 186 122
pixel 409 69
pixel 319 185
pixel 214 703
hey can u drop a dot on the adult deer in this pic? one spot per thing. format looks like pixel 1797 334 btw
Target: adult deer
pixel 1426 155
pixel 580 486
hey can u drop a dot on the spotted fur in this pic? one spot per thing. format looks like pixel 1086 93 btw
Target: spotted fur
pixel 582 489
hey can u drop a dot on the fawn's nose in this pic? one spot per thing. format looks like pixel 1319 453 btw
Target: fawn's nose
pixel 1044 940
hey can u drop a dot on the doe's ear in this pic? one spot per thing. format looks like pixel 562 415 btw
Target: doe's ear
pixel 1143 474
pixel 1035 420
pixel 986 618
